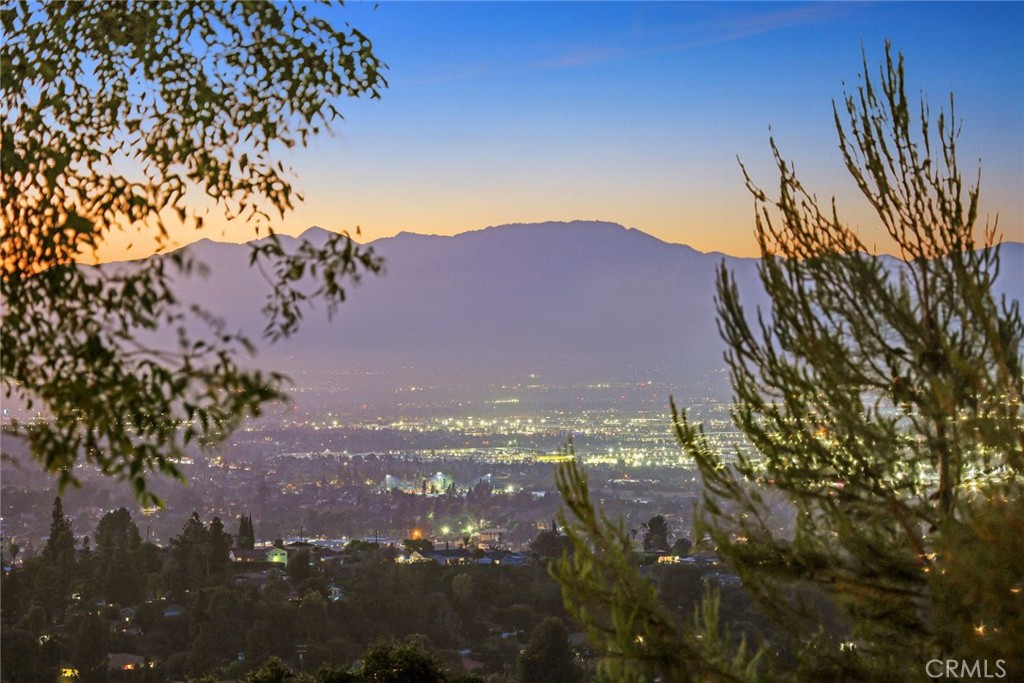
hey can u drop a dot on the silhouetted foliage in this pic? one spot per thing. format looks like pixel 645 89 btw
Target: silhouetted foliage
pixel 246 533
pixel 299 568
pixel 199 102
pixel 401 663
pixel 550 544
pixel 59 556
pixel 549 658
pixel 656 533
pixel 681 547
pixel 883 399
pixel 90 653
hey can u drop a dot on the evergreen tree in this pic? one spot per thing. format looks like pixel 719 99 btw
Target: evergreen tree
pixel 21 659
pixel 116 569
pixel 220 549
pixel 117 528
pixel 122 584
pixel 246 533
pixel 59 555
pixel 90 650
pixel 637 639
pixel 188 567
pixel 883 398
pixel 549 658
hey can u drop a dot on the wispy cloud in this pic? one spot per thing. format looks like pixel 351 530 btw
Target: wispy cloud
pixel 644 38
pixel 694 35
pixel 728 29
pixel 456 75
pixel 581 56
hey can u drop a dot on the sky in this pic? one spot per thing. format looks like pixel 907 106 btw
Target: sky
pixel 637 113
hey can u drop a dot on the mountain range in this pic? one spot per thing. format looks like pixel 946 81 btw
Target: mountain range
pixel 585 300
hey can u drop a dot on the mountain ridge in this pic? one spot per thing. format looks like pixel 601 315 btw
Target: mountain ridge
pixel 317 233
pixel 590 300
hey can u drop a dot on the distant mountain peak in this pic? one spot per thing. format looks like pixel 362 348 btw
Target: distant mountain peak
pixel 315 231
pixel 564 231
pixel 576 225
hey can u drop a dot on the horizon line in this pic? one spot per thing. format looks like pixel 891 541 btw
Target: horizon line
pixel 169 249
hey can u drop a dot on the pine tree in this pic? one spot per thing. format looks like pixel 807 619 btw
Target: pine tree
pixel 59 553
pixel 883 400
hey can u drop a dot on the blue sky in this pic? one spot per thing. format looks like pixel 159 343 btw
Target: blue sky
pixel 636 112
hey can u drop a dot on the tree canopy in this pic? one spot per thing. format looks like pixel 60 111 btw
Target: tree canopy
pixel 549 656
pixel 882 398
pixel 656 533
pixel 138 116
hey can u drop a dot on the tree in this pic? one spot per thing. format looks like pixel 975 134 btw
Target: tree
pixel 117 528
pixel 549 658
pixel 299 568
pixel 272 671
pixel 681 547
pixel 549 544
pixel 121 116
pixel 59 553
pixel 656 533
pixel 20 658
pixel 14 602
pixel 90 653
pixel 635 636
pixel 246 533
pixel 463 589
pixel 401 663
pixel 202 651
pixel 123 584
pixel 257 642
pixel 883 400
pixel 116 561
pixel 46 591
pixel 220 548
pixel 312 616
pixel 192 561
